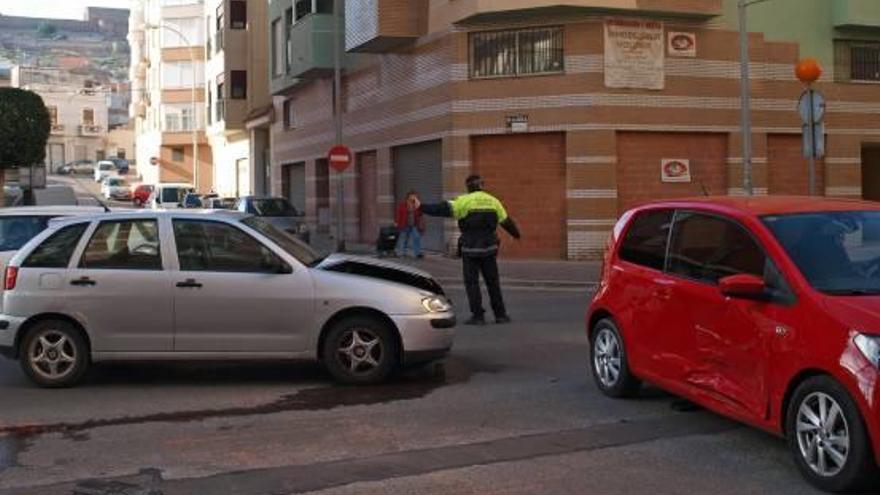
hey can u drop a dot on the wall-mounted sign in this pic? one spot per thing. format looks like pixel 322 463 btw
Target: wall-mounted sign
pixel 517 123
pixel 681 44
pixel 634 54
pixel 675 170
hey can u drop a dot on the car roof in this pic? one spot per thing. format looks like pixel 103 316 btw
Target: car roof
pixel 192 213
pixel 766 205
pixel 56 210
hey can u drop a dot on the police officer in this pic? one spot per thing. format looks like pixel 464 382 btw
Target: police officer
pixel 478 214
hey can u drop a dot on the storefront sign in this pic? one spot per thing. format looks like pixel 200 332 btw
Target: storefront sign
pixel 682 44
pixel 675 170
pixel 634 54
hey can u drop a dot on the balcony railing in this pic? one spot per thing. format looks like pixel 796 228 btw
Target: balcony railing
pixel 57 129
pixel 90 130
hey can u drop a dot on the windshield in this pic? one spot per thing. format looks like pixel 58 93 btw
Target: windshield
pixel 299 250
pixel 173 194
pixel 275 207
pixel 837 252
pixel 117 182
pixel 106 166
pixel 15 232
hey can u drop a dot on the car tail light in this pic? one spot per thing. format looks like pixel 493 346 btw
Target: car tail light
pixel 11 277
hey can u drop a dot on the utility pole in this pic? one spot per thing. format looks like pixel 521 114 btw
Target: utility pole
pixel 745 97
pixel 337 119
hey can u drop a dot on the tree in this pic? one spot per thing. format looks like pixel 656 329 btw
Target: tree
pixel 46 29
pixel 24 130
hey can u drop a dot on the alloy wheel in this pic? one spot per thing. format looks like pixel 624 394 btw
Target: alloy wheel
pixel 360 351
pixel 607 357
pixel 823 434
pixel 52 355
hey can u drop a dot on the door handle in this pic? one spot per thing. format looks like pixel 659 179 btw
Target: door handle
pixel 189 284
pixel 84 281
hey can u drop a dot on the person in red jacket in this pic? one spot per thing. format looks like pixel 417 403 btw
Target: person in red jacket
pixel 410 224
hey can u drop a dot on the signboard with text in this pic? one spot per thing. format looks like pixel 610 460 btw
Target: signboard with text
pixel 675 170
pixel 634 54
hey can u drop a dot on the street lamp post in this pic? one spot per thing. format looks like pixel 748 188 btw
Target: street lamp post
pixel 194 122
pixel 337 118
pixel 746 93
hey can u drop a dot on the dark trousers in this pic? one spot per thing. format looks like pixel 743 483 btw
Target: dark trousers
pixel 488 266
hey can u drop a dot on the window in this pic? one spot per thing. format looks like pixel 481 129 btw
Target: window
pixel 88 116
pixel 707 248
pixel 237 14
pixel 306 7
pixel 178 117
pixel 179 75
pixel 15 232
pixel 218 247
pixel 218 32
pixel 291 245
pixel 288 40
pixel 123 245
pixel 53 115
pixel 192 28
pixel 646 239
pixel 865 62
pixel 55 252
pixel 221 104
pixel 519 52
pixel 277 48
pixel 174 194
pixel 289 117
pixel 238 86
pixel 177 154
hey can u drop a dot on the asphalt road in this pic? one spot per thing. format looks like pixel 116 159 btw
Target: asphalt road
pixel 512 411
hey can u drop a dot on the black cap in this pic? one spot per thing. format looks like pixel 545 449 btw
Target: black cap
pixel 474 183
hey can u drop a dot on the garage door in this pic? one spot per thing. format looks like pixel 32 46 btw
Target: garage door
pixel 787 169
pixel 367 190
pixel 527 173
pixel 294 184
pixel 639 155
pixel 419 168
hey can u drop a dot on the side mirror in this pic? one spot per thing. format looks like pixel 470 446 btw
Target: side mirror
pixel 743 286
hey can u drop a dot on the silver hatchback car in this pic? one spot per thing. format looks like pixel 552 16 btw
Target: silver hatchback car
pixel 210 285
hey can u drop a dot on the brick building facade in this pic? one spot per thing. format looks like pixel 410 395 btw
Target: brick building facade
pixel 564 151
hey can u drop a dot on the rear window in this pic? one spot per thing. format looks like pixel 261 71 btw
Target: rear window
pixel 105 166
pixel 173 194
pixel 56 250
pixel 646 239
pixel 15 232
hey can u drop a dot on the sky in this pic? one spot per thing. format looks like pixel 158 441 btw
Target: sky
pixel 70 9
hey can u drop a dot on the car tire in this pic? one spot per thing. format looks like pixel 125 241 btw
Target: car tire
pixel 809 442
pixel 53 354
pixel 609 362
pixel 360 351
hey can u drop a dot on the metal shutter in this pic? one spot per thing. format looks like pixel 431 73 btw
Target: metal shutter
pixel 419 167
pixel 296 185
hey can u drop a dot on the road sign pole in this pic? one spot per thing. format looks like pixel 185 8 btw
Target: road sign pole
pixel 337 120
pixel 812 125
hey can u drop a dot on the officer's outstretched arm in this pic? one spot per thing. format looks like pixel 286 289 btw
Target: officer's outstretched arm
pixel 510 226
pixel 442 209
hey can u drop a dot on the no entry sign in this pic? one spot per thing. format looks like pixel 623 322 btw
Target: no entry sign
pixel 339 158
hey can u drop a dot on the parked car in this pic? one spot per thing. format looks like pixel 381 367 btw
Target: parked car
pixel 766 310
pixel 141 194
pixel 121 165
pixel 78 167
pixel 217 203
pixel 192 200
pixel 104 169
pixel 116 188
pixel 170 195
pixel 277 211
pixel 21 224
pixel 216 285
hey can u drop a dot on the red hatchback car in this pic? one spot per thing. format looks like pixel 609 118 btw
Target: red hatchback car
pixel 141 195
pixel 766 310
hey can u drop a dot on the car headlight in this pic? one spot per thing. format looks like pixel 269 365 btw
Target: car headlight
pixel 870 347
pixel 436 304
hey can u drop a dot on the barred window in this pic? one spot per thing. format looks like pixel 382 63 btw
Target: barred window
pixel 865 64
pixel 517 52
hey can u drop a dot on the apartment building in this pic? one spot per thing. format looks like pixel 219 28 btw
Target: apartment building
pixel 236 84
pixel 78 112
pixel 572 111
pixel 167 72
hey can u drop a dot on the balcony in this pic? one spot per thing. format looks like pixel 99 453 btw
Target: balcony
pixel 377 26
pixel 57 129
pixel 90 130
pixel 478 10
pixel 312 39
pixel 856 14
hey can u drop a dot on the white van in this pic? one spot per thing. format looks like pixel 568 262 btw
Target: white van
pixel 169 195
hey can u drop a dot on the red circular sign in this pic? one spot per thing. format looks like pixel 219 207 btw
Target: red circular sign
pixel 339 157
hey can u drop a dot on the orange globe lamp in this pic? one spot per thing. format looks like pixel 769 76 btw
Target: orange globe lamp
pixel 808 70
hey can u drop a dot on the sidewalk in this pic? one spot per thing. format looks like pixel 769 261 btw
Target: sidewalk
pixel 515 273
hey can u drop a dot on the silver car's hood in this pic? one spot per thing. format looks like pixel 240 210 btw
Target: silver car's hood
pixel 381 269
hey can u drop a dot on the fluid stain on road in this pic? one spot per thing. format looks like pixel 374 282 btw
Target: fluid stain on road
pixel 410 386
